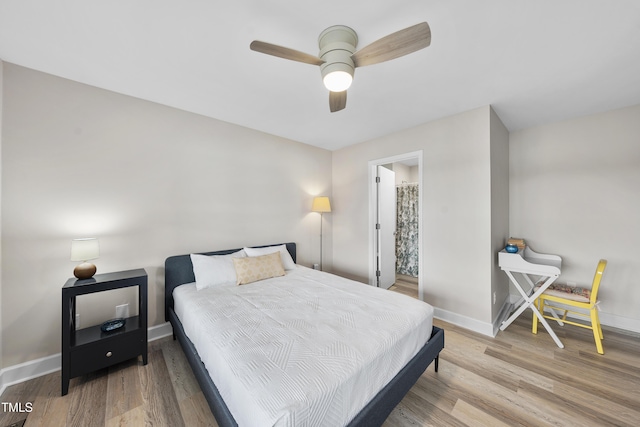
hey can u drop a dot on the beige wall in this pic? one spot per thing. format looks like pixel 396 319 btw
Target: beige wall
pixel 149 181
pixel 405 174
pixel 1 103
pixel 456 211
pixel 575 192
pixel 414 175
pixel 499 159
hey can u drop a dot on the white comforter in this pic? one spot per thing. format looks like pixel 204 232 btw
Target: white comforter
pixel 307 349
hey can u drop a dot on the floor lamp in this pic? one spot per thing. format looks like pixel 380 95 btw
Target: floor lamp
pixel 321 205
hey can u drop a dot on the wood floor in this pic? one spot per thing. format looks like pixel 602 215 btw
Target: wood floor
pixel 515 379
pixel 406 285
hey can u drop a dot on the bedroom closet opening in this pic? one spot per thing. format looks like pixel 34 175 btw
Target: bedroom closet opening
pixel 407 228
pixel 395 211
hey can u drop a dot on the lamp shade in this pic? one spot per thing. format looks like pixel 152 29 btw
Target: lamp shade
pixel 84 249
pixel 321 204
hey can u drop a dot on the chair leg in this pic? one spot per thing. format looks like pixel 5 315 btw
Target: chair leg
pixel 600 329
pixel 595 312
pixel 597 330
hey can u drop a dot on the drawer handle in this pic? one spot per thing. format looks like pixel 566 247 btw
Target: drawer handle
pixel 109 354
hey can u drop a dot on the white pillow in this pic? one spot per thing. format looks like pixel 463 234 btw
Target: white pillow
pixel 287 261
pixel 215 270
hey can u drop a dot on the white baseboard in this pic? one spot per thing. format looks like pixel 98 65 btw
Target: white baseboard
pixel 607 319
pixel 159 331
pixel 484 328
pixel 36 368
pixel 28 370
pixel 619 322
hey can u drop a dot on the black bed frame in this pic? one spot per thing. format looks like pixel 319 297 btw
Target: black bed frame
pixel 179 270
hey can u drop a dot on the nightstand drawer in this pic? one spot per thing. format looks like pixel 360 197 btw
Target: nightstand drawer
pixel 98 355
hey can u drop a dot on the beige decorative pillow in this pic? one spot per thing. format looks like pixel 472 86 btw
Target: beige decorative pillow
pixel 252 269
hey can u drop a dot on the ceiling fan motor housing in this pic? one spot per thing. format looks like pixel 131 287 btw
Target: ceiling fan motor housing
pixel 337 45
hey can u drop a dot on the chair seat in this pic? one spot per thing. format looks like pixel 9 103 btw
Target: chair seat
pixel 572 293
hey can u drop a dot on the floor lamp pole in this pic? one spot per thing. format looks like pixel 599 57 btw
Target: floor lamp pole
pixel 320 241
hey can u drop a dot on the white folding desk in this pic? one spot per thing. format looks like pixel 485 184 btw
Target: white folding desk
pixel 527 262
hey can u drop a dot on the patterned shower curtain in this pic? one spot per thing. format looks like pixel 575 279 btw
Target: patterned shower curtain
pixel 407 230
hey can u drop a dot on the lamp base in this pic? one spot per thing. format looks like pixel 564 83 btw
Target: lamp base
pixel 86 270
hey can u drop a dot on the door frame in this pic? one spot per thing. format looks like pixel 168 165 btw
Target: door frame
pixel 373 164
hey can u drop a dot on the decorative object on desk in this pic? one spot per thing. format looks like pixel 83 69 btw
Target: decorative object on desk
pixel 113 325
pixel 321 205
pixel 84 250
pixel 516 241
pixel 511 248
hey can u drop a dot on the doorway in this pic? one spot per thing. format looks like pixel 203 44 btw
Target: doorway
pixel 380 244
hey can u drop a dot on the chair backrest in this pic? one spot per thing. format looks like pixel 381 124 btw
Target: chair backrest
pixel 596 280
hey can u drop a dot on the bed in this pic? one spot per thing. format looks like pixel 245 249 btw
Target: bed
pixel 379 398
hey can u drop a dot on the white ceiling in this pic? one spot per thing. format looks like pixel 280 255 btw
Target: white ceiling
pixel 535 62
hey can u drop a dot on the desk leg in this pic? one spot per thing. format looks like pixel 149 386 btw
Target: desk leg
pixel 544 322
pixel 522 307
pixel 546 325
pixel 555 315
pixel 515 314
pixel 529 302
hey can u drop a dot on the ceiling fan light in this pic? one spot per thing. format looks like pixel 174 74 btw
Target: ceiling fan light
pixel 337 81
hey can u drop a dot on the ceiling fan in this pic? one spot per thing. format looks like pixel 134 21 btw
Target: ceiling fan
pixel 338 58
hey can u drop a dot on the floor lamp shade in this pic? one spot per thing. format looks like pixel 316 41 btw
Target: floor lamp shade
pixel 84 250
pixel 322 205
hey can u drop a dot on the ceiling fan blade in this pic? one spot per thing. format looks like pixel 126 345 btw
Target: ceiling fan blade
pixel 337 101
pixel 285 52
pixel 394 45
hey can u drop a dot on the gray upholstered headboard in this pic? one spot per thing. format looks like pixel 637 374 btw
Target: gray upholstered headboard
pixel 178 270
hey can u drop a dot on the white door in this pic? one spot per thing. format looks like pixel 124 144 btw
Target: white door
pixel 386 227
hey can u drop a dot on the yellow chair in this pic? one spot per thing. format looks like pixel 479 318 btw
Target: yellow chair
pixel 581 298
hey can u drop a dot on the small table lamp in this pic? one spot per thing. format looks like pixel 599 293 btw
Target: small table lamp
pixel 321 205
pixel 84 250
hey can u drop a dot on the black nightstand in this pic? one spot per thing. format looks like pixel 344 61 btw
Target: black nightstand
pixel 89 349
